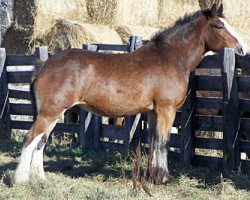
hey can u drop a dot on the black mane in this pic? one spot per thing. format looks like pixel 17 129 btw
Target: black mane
pixel 188 18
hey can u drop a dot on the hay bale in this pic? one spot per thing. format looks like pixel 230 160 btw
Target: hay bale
pixel 126 31
pixel 33 18
pixel 129 12
pixel 68 34
pixel 50 10
pixel 16 40
pixel 170 10
pixel 23 13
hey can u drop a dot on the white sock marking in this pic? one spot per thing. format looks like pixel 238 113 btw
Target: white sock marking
pixel 36 167
pixel 23 169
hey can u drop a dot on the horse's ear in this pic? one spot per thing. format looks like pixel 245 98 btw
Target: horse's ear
pixel 213 10
pixel 220 10
pixel 210 13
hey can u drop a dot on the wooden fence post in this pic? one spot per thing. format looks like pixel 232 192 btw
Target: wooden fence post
pixel 42 53
pixel 4 97
pixel 133 123
pixel 187 117
pixel 134 43
pixel 90 125
pixel 231 137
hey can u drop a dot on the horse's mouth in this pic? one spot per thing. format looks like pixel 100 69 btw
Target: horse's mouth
pixel 240 50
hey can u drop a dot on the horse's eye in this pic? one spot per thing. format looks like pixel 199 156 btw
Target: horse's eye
pixel 217 26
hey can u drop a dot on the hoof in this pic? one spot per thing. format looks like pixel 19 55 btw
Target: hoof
pixel 161 176
pixel 19 179
pixel 38 176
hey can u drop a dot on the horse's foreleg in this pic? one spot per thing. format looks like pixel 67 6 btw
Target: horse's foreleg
pixel 33 140
pixel 160 172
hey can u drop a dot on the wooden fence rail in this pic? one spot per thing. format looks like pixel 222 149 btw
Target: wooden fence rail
pixel 225 91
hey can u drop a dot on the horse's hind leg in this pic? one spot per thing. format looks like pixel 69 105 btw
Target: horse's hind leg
pixel 152 132
pixel 36 166
pixel 33 146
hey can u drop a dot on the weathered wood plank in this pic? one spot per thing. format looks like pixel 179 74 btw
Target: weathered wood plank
pixel 209 83
pixel 3 90
pixel 19 77
pixel 245 125
pixel 174 155
pixel 243 62
pixel 187 128
pixel 244 146
pixel 114 132
pixel 208 103
pixel 244 104
pixel 208 123
pixel 206 161
pixel 2 59
pixel 210 61
pixel 135 42
pixel 112 47
pixel 175 139
pixel 21 60
pixel 42 53
pixel 18 94
pixel 82 132
pixel 4 101
pixel 177 121
pixel 243 83
pixel 245 166
pixel 97 128
pixel 208 143
pixel 21 109
pixel 108 146
pixel 231 139
pixel 60 127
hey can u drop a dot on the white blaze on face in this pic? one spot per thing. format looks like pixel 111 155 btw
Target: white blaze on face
pixel 235 35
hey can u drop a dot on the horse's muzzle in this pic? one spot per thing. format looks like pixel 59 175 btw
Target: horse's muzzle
pixel 240 50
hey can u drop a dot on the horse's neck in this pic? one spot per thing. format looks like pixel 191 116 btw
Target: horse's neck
pixel 191 46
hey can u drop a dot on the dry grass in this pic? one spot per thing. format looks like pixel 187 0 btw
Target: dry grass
pixel 75 173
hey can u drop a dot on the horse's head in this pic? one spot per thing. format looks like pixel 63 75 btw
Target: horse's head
pixel 219 33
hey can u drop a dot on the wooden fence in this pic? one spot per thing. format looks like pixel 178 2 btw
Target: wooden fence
pixel 195 129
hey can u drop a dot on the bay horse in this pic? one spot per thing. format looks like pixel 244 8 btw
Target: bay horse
pixel 152 79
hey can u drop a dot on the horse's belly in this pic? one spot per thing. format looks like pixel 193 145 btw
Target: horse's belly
pixel 116 110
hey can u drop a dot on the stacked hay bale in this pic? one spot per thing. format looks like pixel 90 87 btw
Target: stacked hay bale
pixel 169 11
pixel 129 12
pixel 33 18
pixel 39 22
pixel 69 34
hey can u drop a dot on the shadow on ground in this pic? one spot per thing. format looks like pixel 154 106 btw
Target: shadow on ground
pixel 77 162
